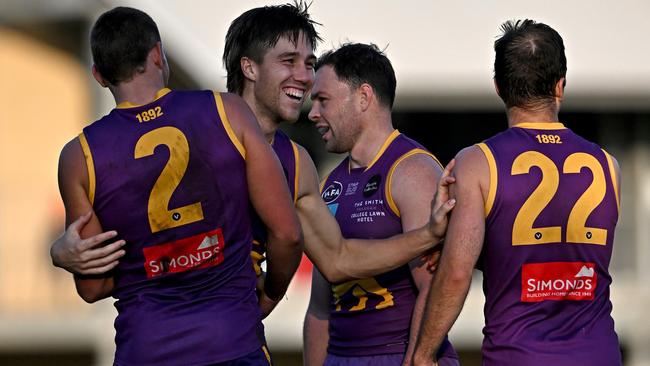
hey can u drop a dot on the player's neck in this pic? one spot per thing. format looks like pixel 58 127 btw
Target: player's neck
pixel 138 91
pixel 370 141
pixel 265 119
pixel 517 115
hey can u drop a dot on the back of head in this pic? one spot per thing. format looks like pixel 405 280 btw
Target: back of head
pixel 357 63
pixel 529 61
pixel 258 30
pixel 120 41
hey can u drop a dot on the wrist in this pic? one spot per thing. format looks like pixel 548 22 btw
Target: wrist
pixel 271 294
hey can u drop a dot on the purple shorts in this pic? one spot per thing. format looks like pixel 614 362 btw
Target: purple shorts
pixel 394 359
pixel 259 357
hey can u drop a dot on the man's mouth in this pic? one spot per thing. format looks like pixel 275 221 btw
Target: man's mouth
pixel 322 130
pixel 294 93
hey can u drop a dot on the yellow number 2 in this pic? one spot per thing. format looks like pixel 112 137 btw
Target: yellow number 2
pixel 160 217
pixel 523 232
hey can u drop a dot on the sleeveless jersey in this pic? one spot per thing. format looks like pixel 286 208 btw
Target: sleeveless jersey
pixel 551 213
pixel 170 177
pixel 287 152
pixel 371 316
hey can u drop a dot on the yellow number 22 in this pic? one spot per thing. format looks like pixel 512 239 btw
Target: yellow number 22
pixel 160 217
pixel 523 232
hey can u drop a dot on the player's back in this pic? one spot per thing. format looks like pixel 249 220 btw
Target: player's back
pixel 551 214
pixel 170 177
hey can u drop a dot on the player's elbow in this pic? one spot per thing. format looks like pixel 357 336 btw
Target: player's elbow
pixel 93 290
pixel 90 296
pixel 456 276
pixel 338 268
pixel 292 236
pixel 289 235
pixel 334 274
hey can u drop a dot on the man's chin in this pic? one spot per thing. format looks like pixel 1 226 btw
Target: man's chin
pixel 291 117
pixel 332 148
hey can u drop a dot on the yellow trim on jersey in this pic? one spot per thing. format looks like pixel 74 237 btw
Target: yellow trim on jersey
pixel 612 173
pixel 322 183
pixel 494 179
pixel 541 125
pixel 296 155
pixel 159 94
pixel 383 148
pixel 267 354
pixel 226 125
pixel 90 165
pixel 389 179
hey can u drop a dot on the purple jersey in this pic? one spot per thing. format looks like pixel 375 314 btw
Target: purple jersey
pixel 551 213
pixel 287 152
pixel 170 177
pixel 371 316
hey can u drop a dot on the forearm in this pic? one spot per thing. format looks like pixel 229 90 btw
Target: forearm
pixel 444 303
pixel 367 258
pixel 93 289
pixel 416 320
pixel 316 338
pixel 283 258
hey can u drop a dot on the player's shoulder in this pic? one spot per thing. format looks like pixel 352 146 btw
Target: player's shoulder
pixel 302 152
pixel 233 102
pixel 72 158
pixel 417 161
pixel 473 159
pixel 237 112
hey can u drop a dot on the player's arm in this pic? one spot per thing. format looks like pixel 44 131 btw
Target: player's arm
pixel 413 185
pixel 73 185
pixel 316 328
pixel 270 196
pixel 463 245
pixel 86 256
pixel 341 259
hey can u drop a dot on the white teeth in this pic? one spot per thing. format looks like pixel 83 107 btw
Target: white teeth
pixel 295 93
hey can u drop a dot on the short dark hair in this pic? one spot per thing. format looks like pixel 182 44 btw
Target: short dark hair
pixel 529 61
pixel 120 41
pixel 358 63
pixel 259 29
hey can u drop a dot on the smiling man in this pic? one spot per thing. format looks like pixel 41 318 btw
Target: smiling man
pixel 382 188
pixel 269 57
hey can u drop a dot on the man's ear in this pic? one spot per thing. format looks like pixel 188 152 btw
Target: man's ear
pixel 559 88
pixel 496 87
pixel 248 68
pixel 366 96
pixel 100 79
pixel 157 55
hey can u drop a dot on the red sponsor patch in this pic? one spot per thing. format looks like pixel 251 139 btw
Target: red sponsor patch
pixel 194 252
pixel 558 281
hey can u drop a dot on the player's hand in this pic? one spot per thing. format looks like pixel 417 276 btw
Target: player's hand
pixel 432 257
pixel 267 304
pixel 441 204
pixel 86 256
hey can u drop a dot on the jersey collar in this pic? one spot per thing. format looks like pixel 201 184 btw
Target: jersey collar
pixel 159 94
